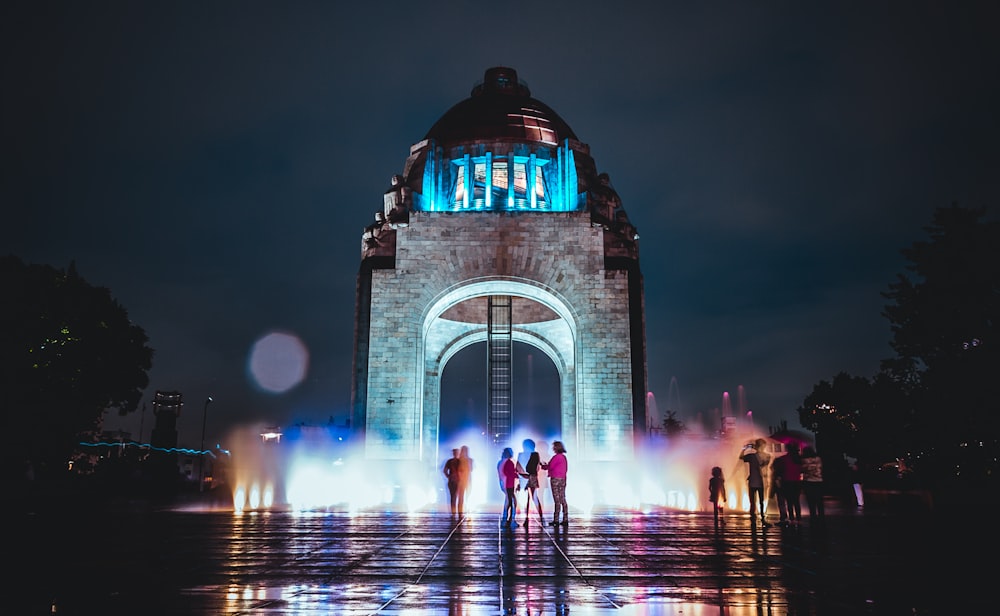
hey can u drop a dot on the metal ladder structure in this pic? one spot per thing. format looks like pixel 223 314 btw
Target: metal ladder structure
pixel 499 350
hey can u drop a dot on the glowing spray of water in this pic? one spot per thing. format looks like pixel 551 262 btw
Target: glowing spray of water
pixel 317 471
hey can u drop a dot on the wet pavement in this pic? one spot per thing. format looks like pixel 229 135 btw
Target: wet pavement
pixel 663 562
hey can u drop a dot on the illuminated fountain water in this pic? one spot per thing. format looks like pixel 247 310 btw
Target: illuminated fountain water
pixel 314 469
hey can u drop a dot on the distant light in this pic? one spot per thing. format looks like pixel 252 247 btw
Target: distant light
pixel 270 436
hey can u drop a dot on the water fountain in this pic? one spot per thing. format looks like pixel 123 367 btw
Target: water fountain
pixel 312 468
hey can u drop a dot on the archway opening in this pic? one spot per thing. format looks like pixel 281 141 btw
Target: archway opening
pixel 535 395
pixel 536 398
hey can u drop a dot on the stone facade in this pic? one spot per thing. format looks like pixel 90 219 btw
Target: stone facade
pixel 571 267
pixel 556 259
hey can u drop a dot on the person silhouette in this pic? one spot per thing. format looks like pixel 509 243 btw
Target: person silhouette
pixel 530 475
pixel 812 482
pixel 452 472
pixel 507 476
pixel 557 467
pixel 717 494
pixel 465 467
pixel 527 446
pixel 787 482
pixel 756 460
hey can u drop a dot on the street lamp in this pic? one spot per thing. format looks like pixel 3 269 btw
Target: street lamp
pixel 201 460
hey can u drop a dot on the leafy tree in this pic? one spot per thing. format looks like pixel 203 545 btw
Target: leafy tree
pixel 933 402
pixel 835 411
pixel 68 352
pixel 944 318
pixel 857 417
pixel 888 421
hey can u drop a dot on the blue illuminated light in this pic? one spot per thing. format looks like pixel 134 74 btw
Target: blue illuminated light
pixel 184 450
pixel 482 181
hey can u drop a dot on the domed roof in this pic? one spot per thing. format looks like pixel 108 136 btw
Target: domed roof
pixel 500 109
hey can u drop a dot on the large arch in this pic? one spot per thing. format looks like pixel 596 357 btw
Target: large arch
pixel 443 338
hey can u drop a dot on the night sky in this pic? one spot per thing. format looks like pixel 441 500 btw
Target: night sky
pixel 215 163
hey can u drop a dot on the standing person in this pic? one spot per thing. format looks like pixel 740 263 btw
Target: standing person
pixel 464 477
pixel 856 483
pixel 452 472
pixel 717 493
pixel 812 482
pixel 787 472
pixel 531 474
pixel 755 458
pixel 507 476
pixel 527 448
pixel 557 467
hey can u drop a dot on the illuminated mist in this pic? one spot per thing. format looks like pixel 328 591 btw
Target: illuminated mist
pixel 312 469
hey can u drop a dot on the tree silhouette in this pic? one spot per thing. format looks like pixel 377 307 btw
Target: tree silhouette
pixel 934 402
pixel 944 318
pixel 673 426
pixel 68 352
pixel 835 411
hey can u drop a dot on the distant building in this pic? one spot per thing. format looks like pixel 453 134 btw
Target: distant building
pixel 167 407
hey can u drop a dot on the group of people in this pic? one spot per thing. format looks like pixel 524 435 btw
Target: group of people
pixel 525 474
pixel 528 473
pixel 791 475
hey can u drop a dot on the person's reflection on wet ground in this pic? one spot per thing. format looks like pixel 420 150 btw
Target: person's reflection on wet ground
pixel 561 596
pixel 508 573
pixel 456 555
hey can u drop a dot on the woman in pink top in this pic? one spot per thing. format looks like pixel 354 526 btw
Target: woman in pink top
pixel 507 474
pixel 557 468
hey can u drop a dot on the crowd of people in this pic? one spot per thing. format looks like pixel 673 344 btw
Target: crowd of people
pixel 787 478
